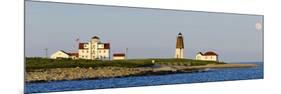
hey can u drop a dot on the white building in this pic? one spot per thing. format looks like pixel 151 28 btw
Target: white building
pixel 118 56
pixel 179 46
pixel 208 56
pixel 94 50
pixel 62 54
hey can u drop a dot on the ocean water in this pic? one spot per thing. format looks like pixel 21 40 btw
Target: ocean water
pixel 181 78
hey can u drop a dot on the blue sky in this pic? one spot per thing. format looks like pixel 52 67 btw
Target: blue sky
pixel 147 33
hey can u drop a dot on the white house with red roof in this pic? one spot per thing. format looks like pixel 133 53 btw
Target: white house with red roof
pixel 118 56
pixel 208 56
pixel 94 50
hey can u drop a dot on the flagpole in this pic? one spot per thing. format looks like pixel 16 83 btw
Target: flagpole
pixel 126 53
pixel 77 44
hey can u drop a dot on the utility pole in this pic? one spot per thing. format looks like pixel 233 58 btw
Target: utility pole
pixel 126 53
pixel 46 52
pixel 76 47
pixel 109 56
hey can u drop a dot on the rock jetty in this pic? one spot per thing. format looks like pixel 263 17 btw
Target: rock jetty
pixel 59 74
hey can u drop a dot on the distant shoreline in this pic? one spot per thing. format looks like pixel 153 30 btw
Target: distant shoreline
pixel 68 74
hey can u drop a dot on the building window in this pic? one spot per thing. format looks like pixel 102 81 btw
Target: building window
pixel 104 51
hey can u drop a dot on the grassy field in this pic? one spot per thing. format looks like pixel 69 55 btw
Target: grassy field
pixel 44 63
pixel 176 62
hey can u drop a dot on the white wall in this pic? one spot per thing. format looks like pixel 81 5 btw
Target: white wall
pixel 179 53
pixel 210 58
pixel 93 50
pixel 198 57
pixel 118 57
pixel 101 46
pixel 59 54
pixel 83 53
pixel 103 53
pixel 206 58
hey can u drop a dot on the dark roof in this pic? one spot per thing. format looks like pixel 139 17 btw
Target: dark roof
pixel 95 37
pixel 73 54
pixel 180 33
pixel 210 53
pixel 106 46
pixel 81 45
pixel 118 54
pixel 63 51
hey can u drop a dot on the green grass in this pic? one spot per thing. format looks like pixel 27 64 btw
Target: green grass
pixel 44 63
pixel 173 61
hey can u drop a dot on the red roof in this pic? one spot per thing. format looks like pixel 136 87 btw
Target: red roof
pixel 210 53
pixel 106 46
pixel 118 54
pixel 81 45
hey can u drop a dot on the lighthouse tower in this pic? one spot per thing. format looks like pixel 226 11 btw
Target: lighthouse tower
pixel 179 47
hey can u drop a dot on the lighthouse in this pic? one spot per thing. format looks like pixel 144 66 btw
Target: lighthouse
pixel 179 47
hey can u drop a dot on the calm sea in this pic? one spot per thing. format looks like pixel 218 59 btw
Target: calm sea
pixel 207 76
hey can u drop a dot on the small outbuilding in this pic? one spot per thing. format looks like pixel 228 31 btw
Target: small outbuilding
pixel 118 56
pixel 208 56
pixel 62 54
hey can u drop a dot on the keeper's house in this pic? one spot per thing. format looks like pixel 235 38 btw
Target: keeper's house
pixel 94 50
pixel 208 56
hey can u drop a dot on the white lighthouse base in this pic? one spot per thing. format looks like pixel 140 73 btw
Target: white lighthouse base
pixel 179 53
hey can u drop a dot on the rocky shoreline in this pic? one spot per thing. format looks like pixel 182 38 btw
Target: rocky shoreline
pixel 61 74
